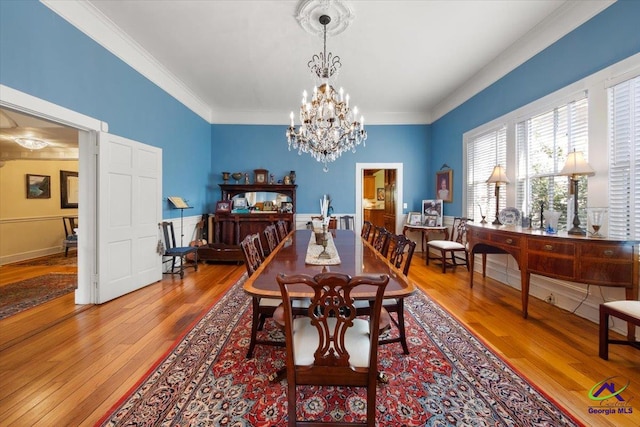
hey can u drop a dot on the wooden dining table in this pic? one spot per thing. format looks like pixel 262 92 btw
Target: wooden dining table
pixel 357 257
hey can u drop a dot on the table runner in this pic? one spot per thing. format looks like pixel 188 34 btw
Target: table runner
pixel 313 250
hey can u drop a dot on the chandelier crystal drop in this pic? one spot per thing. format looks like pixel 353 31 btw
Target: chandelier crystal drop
pixel 328 126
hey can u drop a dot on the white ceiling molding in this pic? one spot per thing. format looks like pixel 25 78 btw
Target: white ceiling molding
pixel 88 19
pixel 84 16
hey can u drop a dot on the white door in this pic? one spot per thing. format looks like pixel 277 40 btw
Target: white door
pixel 129 210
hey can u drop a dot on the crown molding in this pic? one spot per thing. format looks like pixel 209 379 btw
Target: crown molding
pixel 566 19
pixel 97 26
pixel 84 16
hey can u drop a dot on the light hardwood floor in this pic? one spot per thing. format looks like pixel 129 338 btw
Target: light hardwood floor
pixel 62 364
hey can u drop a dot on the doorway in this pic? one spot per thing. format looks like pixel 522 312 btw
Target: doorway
pixel 393 193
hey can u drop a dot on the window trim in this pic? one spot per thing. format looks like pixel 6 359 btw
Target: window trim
pixel 596 87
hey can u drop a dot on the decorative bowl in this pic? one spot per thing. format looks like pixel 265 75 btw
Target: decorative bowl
pixel 237 176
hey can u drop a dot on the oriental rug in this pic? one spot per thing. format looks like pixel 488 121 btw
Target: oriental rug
pixel 19 296
pixel 55 259
pixel 450 378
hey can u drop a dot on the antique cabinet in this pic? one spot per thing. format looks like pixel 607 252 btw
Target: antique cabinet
pixel 227 229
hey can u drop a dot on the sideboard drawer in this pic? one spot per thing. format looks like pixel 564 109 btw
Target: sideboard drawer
pixel 551 248
pixel 607 252
pixel 551 266
pixel 506 239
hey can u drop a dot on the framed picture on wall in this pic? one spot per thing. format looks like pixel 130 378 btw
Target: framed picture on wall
pixel 38 186
pixel 432 213
pixel 69 190
pixel 444 185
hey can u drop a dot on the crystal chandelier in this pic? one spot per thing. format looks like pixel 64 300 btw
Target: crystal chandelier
pixel 328 126
pixel 31 143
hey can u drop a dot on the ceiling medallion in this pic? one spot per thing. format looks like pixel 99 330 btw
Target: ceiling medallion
pixel 310 11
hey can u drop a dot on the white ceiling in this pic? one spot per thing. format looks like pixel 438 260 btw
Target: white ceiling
pixel 402 61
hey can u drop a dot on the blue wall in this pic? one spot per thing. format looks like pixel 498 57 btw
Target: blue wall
pixel 609 37
pixel 43 55
pixel 239 148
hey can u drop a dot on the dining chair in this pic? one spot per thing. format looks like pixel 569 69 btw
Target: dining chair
pixel 366 230
pixel 282 228
pixel 381 241
pixel 262 308
pixel 331 346
pixel 400 257
pixel 177 252
pixel 70 236
pixel 347 222
pixel 271 236
pixel 456 245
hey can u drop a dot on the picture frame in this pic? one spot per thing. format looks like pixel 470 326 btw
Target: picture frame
pixel 444 185
pixel 286 207
pixel 380 194
pixel 240 203
pixel 69 190
pixel 223 206
pixel 432 212
pixel 38 186
pixel 414 218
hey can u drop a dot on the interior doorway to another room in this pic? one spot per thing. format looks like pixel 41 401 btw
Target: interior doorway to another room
pixel 379 195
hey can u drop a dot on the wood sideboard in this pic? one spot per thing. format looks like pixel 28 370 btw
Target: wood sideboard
pixel 594 261
pixel 227 229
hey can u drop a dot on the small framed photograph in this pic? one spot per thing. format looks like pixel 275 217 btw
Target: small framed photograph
pixel 240 203
pixel 414 218
pixel 223 206
pixel 38 186
pixel 444 185
pixel 286 207
pixel 380 193
pixel 432 213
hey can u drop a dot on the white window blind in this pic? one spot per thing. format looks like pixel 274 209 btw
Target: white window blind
pixel 483 153
pixel 624 160
pixel 543 142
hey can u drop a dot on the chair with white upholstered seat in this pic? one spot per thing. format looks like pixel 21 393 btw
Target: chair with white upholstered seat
pixel 627 310
pixel 457 244
pixel 331 346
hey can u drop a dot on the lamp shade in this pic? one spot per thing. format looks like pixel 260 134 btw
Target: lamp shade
pixel 576 165
pixel 498 176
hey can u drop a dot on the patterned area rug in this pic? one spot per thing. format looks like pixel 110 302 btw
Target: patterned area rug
pixel 450 378
pixel 55 259
pixel 20 296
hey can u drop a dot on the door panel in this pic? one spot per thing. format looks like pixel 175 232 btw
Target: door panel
pixel 129 210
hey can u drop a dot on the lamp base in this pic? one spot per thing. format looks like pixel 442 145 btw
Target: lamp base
pixel 496 222
pixel 577 231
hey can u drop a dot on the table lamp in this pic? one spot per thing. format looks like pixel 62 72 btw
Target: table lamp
pixel 574 167
pixel 498 177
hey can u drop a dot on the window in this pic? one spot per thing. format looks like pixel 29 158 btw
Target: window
pixel 543 142
pixel 483 153
pixel 624 159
